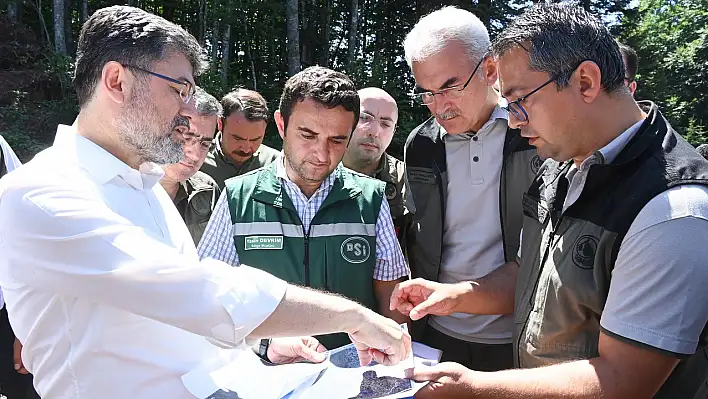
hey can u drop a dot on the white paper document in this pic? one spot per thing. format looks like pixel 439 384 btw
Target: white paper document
pixel 246 376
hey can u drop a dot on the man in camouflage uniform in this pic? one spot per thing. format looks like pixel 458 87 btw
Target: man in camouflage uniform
pixel 193 192
pixel 239 147
pixel 366 152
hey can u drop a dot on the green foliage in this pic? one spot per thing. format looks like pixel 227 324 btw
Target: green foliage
pixel 670 36
pixel 671 40
pixel 23 123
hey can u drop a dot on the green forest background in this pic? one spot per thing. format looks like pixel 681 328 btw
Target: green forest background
pixel 259 43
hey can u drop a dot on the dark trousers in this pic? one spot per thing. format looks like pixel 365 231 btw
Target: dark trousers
pixel 474 356
pixel 12 384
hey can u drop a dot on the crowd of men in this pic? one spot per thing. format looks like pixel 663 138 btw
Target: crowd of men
pixel 544 230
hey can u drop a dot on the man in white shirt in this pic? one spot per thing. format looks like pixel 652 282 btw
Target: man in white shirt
pixel 111 300
pixel 15 381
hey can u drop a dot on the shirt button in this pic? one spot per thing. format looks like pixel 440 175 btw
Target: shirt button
pixel 475 138
pixel 476 159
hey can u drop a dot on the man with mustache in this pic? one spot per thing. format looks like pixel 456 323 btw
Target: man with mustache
pixel 305 218
pixel 366 152
pixel 194 193
pixel 102 281
pixel 466 174
pixel 239 147
pixel 611 300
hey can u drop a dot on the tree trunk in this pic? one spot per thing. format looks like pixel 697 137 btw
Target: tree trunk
pixel 353 31
pixel 247 42
pixel 215 43
pixel 293 36
pixel 201 34
pixel 324 55
pixel 59 22
pixel 68 32
pixel 14 11
pixel 84 11
pixel 225 54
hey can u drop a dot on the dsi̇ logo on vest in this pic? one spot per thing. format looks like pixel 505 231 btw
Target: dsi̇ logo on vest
pixel 584 251
pixel 356 250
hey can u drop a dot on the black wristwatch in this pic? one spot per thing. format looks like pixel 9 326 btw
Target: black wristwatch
pixel 263 349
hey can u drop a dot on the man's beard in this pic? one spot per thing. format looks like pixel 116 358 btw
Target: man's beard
pixel 366 156
pixel 149 137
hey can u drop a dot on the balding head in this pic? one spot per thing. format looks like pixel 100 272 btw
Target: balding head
pixel 377 123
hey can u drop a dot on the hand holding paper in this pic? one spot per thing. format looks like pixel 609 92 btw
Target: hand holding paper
pixel 294 350
pixel 381 339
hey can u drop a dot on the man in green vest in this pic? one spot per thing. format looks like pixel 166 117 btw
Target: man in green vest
pixel 611 298
pixel 239 147
pixel 305 218
pixel 366 153
pixel 194 193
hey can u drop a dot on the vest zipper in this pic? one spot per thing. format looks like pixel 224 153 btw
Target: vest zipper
pixel 502 202
pixel 554 227
pixel 438 177
pixel 307 254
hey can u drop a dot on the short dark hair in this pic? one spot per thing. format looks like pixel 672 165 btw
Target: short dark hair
pixel 132 36
pixel 206 104
pixel 561 36
pixel 323 85
pixel 703 150
pixel 249 103
pixel 631 62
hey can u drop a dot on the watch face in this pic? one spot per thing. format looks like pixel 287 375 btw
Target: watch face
pixel 263 348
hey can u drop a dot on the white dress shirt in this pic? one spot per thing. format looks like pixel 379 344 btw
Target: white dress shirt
pixel 103 283
pixel 11 163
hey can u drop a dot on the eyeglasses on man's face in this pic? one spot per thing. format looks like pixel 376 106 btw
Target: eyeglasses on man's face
pixel 185 88
pixel 517 110
pixel 205 143
pixel 428 97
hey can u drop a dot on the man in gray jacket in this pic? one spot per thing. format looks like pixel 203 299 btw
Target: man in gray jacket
pixel 466 173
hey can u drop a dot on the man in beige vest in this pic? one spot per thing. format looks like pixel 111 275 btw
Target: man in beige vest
pixel 611 298
pixel 193 192
pixel 239 147
pixel 366 152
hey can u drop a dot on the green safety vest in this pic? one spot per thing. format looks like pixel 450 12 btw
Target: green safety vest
pixel 336 254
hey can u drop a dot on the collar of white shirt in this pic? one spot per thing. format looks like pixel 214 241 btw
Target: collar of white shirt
pixel 102 165
pixel 608 153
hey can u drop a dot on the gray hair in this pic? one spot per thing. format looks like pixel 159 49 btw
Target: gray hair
pixel 206 104
pixel 561 36
pixel 438 29
pixel 703 150
pixel 129 36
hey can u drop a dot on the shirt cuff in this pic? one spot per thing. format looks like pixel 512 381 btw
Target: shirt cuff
pixel 384 272
pixel 249 295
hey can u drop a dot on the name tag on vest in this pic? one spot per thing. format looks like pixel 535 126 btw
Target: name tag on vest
pixel 263 242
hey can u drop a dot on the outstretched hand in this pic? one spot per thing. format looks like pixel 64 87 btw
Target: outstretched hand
pixel 418 298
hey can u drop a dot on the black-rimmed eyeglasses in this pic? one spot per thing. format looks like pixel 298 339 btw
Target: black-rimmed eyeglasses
pixel 515 108
pixel 428 97
pixel 186 91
